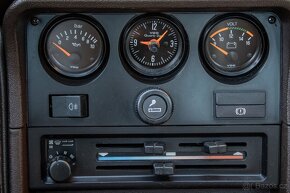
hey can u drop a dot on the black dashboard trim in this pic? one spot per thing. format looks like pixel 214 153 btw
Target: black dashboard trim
pixel 14 24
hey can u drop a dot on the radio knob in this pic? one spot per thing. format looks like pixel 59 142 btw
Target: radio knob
pixel 60 170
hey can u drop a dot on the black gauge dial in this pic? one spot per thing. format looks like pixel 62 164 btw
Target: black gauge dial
pixel 154 45
pixel 234 45
pixel 75 47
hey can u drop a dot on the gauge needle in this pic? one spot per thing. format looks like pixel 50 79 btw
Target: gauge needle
pixel 61 49
pixel 162 36
pixel 145 43
pixel 154 40
pixel 220 49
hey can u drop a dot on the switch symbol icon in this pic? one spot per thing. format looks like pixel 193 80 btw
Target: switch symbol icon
pixel 153 102
pixel 73 107
pixel 57 142
pixel 231 45
pixel 241 111
pixel 154 110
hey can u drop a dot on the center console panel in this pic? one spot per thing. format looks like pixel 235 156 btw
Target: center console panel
pixel 159 100
pixel 112 95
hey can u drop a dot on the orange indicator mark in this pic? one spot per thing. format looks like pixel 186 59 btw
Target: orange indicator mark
pixel 250 34
pixel 219 31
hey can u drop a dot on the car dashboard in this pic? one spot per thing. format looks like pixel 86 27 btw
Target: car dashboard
pixel 145 96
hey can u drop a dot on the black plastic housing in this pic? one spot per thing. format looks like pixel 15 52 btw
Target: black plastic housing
pixel 112 94
pixel 260 165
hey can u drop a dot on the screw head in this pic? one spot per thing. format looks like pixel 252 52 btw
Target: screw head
pixel 35 21
pixel 272 19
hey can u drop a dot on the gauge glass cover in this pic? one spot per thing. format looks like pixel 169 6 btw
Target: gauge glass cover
pixel 154 45
pixel 75 47
pixel 234 46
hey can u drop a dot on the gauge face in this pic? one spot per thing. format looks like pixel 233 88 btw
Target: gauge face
pixel 75 47
pixel 234 46
pixel 154 45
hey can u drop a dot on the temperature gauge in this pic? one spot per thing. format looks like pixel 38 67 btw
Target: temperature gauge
pixel 75 47
pixel 234 45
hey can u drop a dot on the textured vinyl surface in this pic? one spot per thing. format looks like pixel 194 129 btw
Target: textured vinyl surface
pixel 3 177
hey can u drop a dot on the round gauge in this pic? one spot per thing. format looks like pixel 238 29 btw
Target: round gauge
pixel 234 45
pixel 154 45
pixel 75 46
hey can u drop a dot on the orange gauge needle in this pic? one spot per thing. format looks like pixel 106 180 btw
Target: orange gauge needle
pixel 145 43
pixel 61 49
pixel 161 37
pixel 154 40
pixel 220 49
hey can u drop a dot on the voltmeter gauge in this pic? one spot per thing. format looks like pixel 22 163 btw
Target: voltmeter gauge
pixel 75 47
pixel 234 45
pixel 154 46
